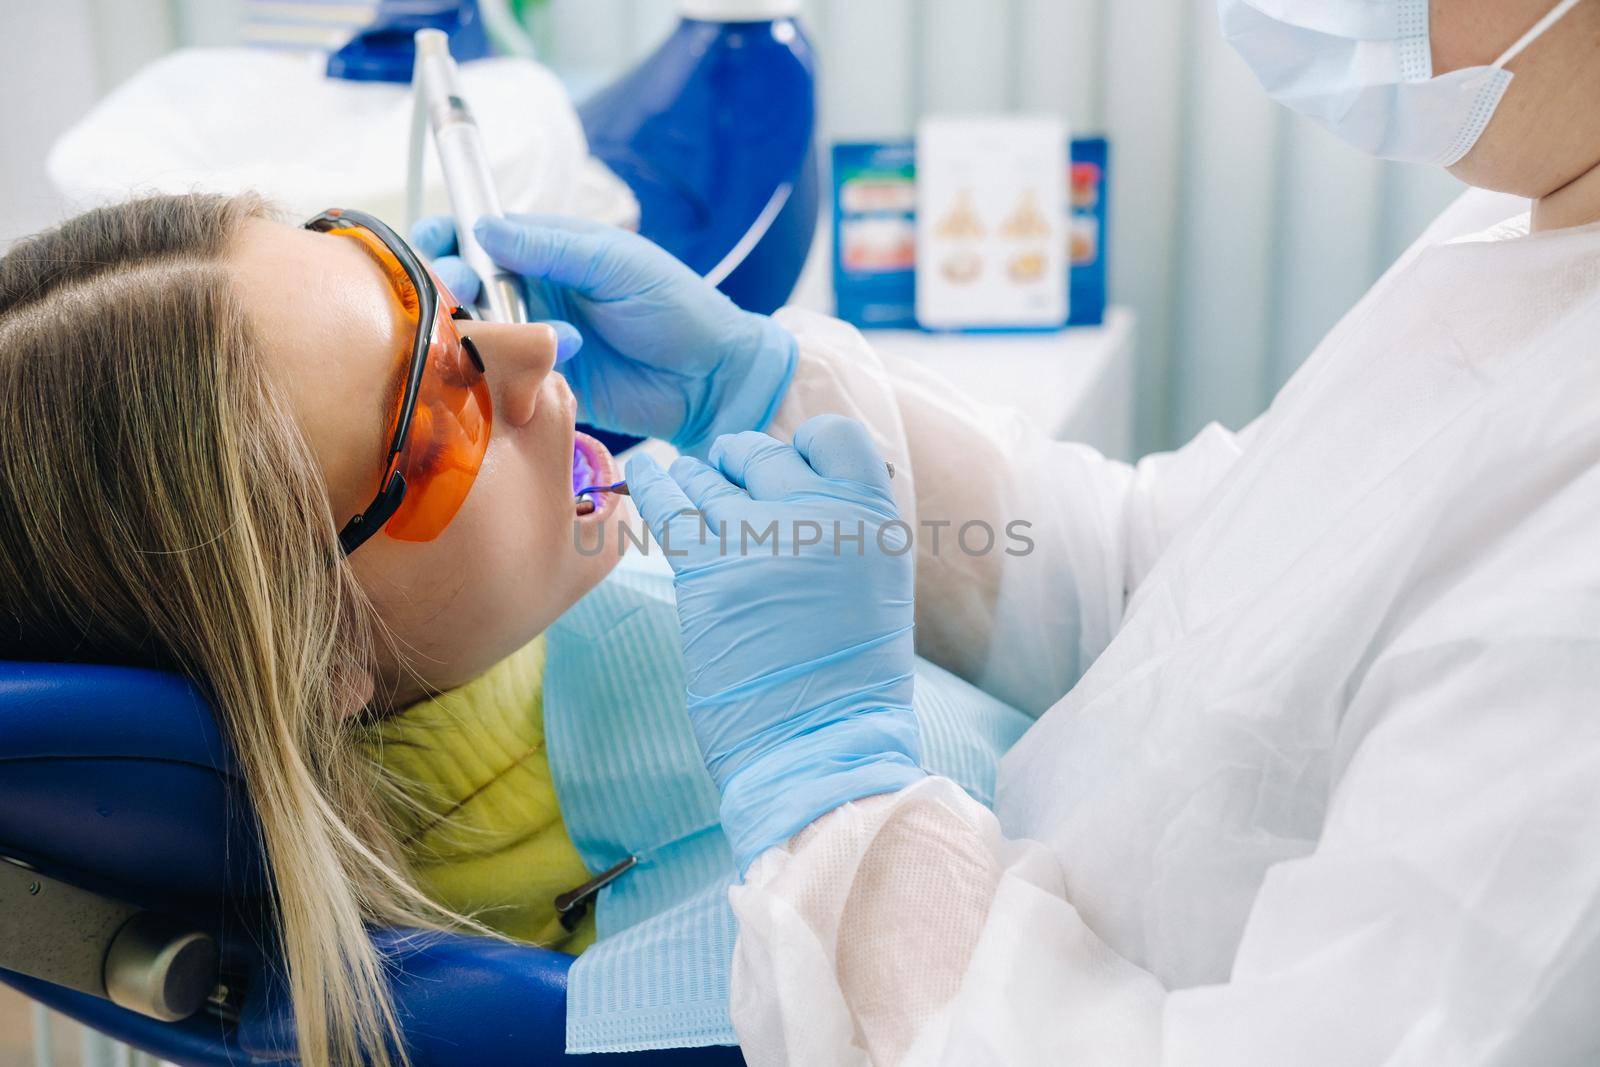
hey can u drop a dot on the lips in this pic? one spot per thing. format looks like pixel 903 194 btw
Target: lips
pixel 592 464
pixel 583 467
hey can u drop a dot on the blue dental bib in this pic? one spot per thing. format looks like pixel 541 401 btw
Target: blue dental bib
pixel 631 783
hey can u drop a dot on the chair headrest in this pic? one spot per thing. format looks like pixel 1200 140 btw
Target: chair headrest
pixel 118 779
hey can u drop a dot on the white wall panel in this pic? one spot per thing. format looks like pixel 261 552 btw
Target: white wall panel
pixel 868 67
pixel 1327 239
pixel 1146 70
pixel 586 34
pixel 1226 268
pixel 649 22
pixel 128 34
pixel 208 22
pixel 592 41
pixel 1057 45
pixel 1413 197
pixel 48 88
pixel 966 55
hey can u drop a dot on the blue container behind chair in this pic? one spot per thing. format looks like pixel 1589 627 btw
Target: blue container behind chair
pixel 384 52
pixel 714 132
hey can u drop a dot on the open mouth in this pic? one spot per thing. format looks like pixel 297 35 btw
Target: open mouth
pixel 592 465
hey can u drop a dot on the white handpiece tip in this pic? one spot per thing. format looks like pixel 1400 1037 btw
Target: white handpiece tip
pixel 432 42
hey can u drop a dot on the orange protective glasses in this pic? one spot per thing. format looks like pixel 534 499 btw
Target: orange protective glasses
pixel 439 429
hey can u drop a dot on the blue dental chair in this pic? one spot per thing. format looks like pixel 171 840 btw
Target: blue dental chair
pixel 134 894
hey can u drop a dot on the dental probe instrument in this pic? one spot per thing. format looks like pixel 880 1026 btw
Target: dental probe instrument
pixel 620 488
pixel 586 507
pixel 465 163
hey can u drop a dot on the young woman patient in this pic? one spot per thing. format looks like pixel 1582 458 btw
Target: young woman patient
pixel 201 407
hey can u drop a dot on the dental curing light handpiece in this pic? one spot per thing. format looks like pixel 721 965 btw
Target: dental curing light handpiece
pixel 465 163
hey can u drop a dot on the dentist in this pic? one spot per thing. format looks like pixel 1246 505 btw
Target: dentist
pixel 1316 773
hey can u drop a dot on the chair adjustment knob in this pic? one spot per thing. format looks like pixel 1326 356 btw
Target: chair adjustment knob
pixel 159 967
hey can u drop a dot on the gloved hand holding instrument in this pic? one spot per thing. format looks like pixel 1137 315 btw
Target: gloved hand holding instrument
pixel 664 353
pixel 794 715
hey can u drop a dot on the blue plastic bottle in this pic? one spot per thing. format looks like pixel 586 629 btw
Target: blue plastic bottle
pixel 715 134
pixel 385 51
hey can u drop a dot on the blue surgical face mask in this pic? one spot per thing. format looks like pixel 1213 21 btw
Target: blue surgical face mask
pixel 1364 69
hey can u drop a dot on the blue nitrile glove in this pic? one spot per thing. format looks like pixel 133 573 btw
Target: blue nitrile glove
pixel 798 646
pixel 665 354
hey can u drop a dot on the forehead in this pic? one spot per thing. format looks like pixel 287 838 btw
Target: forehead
pixel 334 336
pixel 296 281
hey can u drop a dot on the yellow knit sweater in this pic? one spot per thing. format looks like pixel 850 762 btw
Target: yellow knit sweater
pixel 478 815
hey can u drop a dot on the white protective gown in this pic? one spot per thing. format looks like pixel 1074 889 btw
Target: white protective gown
pixel 1328 790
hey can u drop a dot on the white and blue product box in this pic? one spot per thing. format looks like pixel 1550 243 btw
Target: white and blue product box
pixel 875 232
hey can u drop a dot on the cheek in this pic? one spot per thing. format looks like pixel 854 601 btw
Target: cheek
pixel 511 543
pixel 503 571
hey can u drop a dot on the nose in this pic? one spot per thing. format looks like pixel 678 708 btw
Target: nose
pixel 516 361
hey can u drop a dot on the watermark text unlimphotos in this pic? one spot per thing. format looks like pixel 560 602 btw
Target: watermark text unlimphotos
pixel 792 537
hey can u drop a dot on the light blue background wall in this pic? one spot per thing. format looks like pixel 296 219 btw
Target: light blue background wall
pixel 1239 234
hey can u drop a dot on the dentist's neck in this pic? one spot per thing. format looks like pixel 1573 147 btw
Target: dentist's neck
pixel 1575 204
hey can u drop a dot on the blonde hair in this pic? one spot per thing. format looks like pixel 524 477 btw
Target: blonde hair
pixel 160 506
